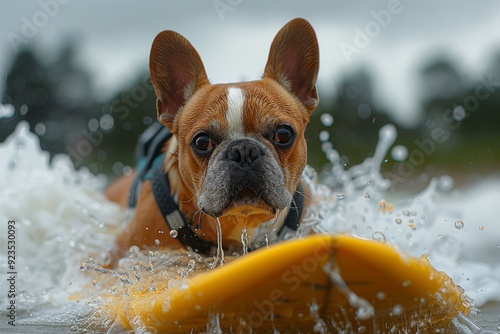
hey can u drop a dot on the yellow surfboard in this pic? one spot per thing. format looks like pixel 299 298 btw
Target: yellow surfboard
pixel 321 283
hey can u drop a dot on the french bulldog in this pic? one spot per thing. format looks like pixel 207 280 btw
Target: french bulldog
pixel 236 152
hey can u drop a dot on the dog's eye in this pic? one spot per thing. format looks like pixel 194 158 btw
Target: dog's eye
pixel 202 143
pixel 284 136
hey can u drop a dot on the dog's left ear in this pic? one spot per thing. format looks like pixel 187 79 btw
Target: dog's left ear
pixel 294 61
pixel 176 72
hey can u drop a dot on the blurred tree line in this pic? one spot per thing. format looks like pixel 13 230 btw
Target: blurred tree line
pixel 457 131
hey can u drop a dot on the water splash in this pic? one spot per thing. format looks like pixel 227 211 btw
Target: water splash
pixel 244 240
pixel 271 228
pixel 364 310
pixel 219 257
pixel 68 219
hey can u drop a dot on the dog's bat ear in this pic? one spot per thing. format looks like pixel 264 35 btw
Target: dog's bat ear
pixel 176 72
pixel 294 61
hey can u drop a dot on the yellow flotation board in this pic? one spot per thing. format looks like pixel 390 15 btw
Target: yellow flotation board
pixel 321 283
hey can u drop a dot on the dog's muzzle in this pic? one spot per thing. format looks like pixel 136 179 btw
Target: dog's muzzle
pixel 244 172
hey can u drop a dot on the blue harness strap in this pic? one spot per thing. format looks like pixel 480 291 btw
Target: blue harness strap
pixel 148 150
pixel 150 158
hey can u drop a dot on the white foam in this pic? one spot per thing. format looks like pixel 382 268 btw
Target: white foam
pixel 421 224
pixel 62 217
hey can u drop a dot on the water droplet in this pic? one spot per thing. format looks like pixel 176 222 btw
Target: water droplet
pixel 340 195
pixel 83 266
pixel 244 240
pixel 174 233
pixel 387 133
pixel 326 119
pixel 399 153
pixel 397 310
pixel 406 212
pixel 40 129
pixel 378 236
pixel 385 207
pixel 161 231
pixel 381 295
pixel 445 183
pixel 481 228
pixel 324 136
pixel 333 157
pixel 326 147
pixel 459 224
pixel 398 221
pixel 157 242
pixel 459 113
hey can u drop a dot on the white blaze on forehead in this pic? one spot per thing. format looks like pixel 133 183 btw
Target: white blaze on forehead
pixel 234 113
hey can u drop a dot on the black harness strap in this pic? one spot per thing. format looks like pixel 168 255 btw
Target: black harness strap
pixel 292 220
pixel 173 217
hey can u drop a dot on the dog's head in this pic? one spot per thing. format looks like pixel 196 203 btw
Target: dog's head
pixel 241 146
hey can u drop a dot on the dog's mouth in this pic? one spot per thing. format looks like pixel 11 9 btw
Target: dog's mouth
pixel 243 206
pixel 247 202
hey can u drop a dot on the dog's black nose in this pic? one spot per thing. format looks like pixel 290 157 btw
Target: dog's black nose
pixel 243 152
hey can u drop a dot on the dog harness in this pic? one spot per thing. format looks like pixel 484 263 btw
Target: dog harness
pixel 150 158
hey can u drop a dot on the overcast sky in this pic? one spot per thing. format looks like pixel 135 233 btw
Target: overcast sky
pixel 233 37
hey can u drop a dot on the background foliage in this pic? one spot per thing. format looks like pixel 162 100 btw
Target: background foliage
pixel 57 99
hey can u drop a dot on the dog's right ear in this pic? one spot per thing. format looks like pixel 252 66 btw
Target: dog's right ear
pixel 294 61
pixel 176 72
